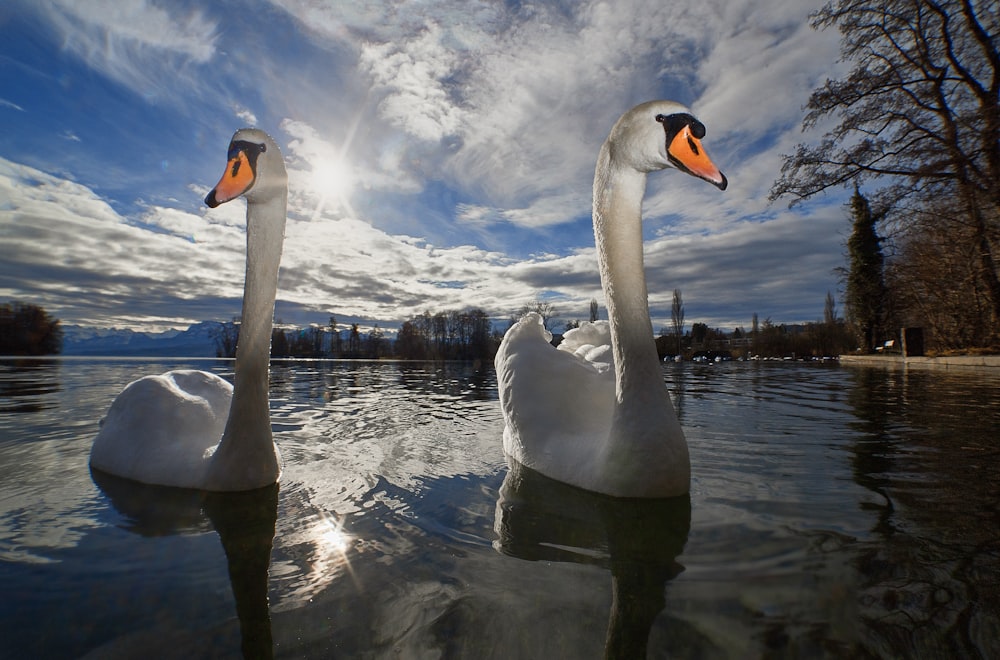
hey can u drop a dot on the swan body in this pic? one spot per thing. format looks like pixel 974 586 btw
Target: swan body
pixel 192 429
pixel 595 412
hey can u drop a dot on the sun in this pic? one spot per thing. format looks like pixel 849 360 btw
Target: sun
pixel 332 180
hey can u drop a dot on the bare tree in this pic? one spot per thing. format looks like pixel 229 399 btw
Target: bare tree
pixel 593 310
pixel 830 309
pixel 279 342
pixel 934 279
pixel 920 110
pixel 543 309
pixel 315 335
pixel 468 336
pixel 27 329
pixel 226 336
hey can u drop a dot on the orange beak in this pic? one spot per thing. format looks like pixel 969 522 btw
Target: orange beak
pixel 236 180
pixel 685 151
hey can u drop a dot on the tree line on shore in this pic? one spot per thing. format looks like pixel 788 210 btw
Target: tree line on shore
pixel 828 337
pixel 27 329
pixel 470 335
pixel 455 335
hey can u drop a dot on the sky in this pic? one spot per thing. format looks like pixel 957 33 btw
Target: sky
pixel 440 152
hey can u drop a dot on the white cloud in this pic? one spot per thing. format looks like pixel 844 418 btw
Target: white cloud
pixel 386 22
pixel 412 76
pixel 66 249
pixel 764 61
pixel 522 99
pixel 4 103
pixel 245 115
pixel 134 42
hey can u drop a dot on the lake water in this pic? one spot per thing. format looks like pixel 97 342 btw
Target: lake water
pixel 834 512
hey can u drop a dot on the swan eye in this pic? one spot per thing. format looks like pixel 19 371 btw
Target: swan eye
pixel 242 150
pixel 673 124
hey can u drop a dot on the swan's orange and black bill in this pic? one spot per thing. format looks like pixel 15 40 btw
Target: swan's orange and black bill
pixel 240 174
pixel 685 152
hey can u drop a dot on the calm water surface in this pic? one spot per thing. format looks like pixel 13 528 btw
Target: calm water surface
pixel 834 512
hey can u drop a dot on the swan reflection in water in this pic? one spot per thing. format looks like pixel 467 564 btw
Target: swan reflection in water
pixel 245 522
pixel 638 540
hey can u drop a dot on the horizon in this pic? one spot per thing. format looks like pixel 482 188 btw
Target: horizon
pixel 391 331
pixel 440 157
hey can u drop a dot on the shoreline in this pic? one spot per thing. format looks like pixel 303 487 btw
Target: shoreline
pixel 948 362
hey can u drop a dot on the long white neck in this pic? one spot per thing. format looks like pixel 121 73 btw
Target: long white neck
pixel 645 454
pixel 246 457
pixel 618 193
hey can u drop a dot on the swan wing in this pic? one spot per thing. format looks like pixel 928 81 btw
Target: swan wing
pixel 164 429
pixel 557 403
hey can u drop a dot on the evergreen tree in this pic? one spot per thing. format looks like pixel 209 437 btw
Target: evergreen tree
pixel 354 342
pixel 865 295
pixel 375 342
pixel 279 343
pixel 336 347
pixel 677 317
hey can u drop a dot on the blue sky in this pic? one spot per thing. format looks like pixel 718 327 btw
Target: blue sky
pixel 440 155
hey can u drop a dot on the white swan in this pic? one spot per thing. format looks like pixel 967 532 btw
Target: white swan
pixel 192 429
pixel 595 413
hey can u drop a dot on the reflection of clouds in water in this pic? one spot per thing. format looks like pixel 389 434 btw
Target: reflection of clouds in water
pixel 41 507
pixel 31 534
pixel 398 421
pixel 43 474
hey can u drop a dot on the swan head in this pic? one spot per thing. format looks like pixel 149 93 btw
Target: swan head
pixel 254 168
pixel 663 134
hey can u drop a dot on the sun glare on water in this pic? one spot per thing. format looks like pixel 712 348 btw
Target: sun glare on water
pixel 332 537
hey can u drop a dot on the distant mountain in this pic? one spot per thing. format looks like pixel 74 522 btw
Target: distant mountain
pixel 196 341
